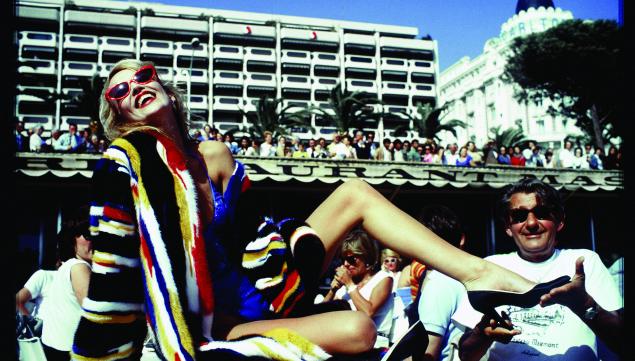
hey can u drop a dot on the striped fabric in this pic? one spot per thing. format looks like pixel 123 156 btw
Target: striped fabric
pixel 416 272
pixel 150 262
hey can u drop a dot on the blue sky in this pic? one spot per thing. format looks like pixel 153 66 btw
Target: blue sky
pixel 461 27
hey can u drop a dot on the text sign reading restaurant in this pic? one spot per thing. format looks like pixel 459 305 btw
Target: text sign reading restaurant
pixel 332 171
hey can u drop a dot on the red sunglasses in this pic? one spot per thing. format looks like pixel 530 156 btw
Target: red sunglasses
pixel 143 76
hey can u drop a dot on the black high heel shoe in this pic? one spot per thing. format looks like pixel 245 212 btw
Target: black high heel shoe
pixel 487 301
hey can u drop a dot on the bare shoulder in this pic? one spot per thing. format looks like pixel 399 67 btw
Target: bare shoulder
pixel 219 161
pixel 214 150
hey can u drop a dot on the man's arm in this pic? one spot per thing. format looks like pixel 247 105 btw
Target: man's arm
pixel 21 298
pixel 80 277
pixel 434 347
pixel 607 325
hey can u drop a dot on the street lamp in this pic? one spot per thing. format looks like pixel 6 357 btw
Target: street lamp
pixel 195 42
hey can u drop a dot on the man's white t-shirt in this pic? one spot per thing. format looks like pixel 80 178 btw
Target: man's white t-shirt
pixel 553 332
pixel 64 311
pixel 39 285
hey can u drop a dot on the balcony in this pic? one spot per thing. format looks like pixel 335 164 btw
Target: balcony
pixel 227 103
pixel 84 42
pixel 227 77
pixel 359 44
pixel 244 34
pixel 32 66
pixel 309 40
pixel 260 54
pixel 295 105
pixel 425 90
pixel 368 86
pixel 91 21
pixel 172 26
pixel 328 59
pixel 157 47
pixel 228 52
pixel 358 61
pixel 186 49
pixel 323 83
pixel 198 76
pixel 104 69
pixel 395 88
pixel 79 68
pixel 421 66
pixel 116 44
pixel 198 102
pixel 35 120
pixel 296 56
pixel 294 81
pixel 37 38
pixel 407 48
pixel 260 79
pixel 81 121
pixel 165 73
pixel 394 64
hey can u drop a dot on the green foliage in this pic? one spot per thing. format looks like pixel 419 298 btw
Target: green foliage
pixel 268 118
pixel 351 109
pixel 509 137
pixel 428 124
pixel 576 65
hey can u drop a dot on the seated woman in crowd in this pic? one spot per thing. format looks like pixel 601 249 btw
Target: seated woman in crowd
pixel 163 220
pixel 464 159
pixel 361 282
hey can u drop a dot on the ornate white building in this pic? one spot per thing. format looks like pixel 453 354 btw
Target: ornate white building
pixel 475 93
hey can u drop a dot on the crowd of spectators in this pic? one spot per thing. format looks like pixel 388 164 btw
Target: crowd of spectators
pixel 359 146
pixel 71 141
pixel 363 146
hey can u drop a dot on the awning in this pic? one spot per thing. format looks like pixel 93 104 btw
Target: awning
pixel 374 172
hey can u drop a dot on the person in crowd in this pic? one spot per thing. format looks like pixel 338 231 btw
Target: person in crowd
pixel 53 142
pixel 370 143
pixel 491 155
pixel 439 156
pixel 517 159
pixel 464 159
pixel 611 159
pixel 549 159
pixel 266 148
pixel 475 154
pixel 412 155
pixel 503 158
pixel 163 240
pixel 384 153
pixel 360 281
pixel 441 295
pixel 588 151
pixel 620 161
pixel 347 147
pixel 71 141
pixel 588 307
pixel 452 154
pixel 228 139
pixel 21 137
pixel 293 144
pixel 208 133
pixel 427 153
pixel 536 159
pixel 565 155
pixel 254 148
pixel 300 153
pixel 245 146
pixel 397 152
pixel 36 143
pixel 596 161
pixel 63 298
pixel 93 145
pixel 362 148
pixel 335 144
pixel 579 159
pixel 219 137
pixel 393 264
pixel 320 150
pixel 405 148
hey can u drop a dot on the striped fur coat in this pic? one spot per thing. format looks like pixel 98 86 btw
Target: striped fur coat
pixel 150 265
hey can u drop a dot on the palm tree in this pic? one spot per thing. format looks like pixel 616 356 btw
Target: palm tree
pixel 350 109
pixel 268 118
pixel 509 137
pixel 428 122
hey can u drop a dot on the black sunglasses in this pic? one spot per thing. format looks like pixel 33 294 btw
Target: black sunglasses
pixel 352 259
pixel 520 215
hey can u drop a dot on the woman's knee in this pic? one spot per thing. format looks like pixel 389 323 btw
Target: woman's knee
pixel 357 191
pixel 361 331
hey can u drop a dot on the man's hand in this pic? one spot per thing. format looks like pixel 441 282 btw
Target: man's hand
pixel 491 329
pixel 573 294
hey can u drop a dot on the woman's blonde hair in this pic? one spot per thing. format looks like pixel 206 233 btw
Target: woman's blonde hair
pixel 115 127
pixel 360 243
pixel 387 252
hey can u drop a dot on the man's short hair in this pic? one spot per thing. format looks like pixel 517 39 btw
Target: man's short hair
pixel 546 195
pixel 443 222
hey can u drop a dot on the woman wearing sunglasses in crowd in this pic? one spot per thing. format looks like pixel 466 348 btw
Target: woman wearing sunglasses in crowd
pixel 362 282
pixel 162 211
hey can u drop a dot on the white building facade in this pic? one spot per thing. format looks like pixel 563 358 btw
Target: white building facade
pixel 241 57
pixel 475 92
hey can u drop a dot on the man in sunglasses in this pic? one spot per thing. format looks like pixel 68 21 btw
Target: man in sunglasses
pixel 565 324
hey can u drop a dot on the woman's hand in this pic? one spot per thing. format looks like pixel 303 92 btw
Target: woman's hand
pixel 343 276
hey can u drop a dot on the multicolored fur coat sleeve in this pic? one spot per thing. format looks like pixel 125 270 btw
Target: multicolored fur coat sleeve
pixel 149 264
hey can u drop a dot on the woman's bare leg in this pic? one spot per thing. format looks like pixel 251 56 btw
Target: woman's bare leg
pixel 338 332
pixel 356 202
